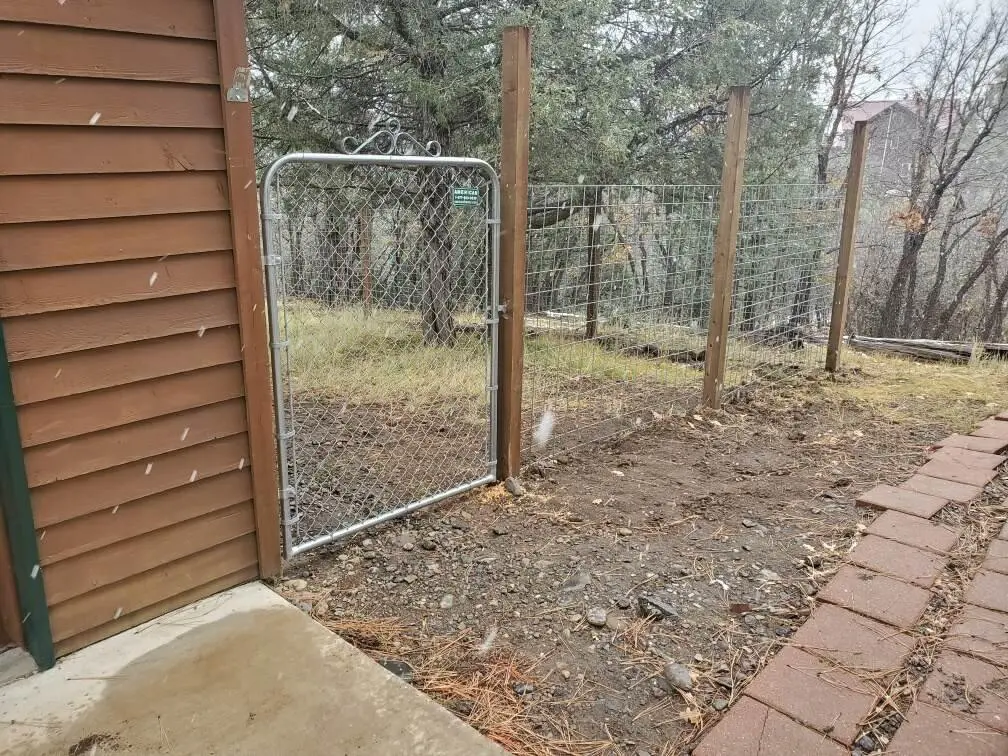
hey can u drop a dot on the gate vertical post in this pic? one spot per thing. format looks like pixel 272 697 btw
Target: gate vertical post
pixel 736 133
pixel 516 86
pixel 845 256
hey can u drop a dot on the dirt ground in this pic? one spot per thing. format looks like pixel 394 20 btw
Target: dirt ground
pixel 632 588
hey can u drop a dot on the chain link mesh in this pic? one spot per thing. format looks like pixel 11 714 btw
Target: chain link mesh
pixel 381 291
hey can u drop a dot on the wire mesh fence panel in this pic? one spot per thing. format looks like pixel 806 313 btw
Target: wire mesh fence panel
pixel 382 286
pixel 785 266
pixel 618 288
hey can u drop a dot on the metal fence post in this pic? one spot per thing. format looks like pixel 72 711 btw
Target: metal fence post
pixel 516 85
pixel 736 132
pixel 845 257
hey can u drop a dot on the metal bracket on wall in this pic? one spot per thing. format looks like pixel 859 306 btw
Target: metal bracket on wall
pixel 239 89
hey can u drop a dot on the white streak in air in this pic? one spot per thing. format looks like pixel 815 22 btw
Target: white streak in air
pixel 162 258
pixel 241 463
pixel 115 509
pixel 185 433
pixel 192 478
pixel 202 330
pixel 94 119
pixel 153 278
pixel 118 613
pixel 35 572
pixel 487 643
pixel 42 536
pixel 150 466
pixel 292 113
pixel 58 373
pixel 544 430
pixel 247 184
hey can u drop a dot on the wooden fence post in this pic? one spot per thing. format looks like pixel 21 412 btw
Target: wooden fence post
pixel 845 256
pixel 736 133
pixel 516 86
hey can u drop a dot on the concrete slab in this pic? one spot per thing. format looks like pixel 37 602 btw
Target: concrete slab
pixel 241 672
pixel 15 663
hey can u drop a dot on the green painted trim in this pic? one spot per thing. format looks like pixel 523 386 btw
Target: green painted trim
pixel 16 505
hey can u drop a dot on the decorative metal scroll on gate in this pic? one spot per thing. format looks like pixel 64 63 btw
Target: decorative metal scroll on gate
pixel 382 289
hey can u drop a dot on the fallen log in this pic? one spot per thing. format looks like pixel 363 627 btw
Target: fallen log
pixel 931 350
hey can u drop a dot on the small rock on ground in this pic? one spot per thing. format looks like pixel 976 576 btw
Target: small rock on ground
pixel 597 616
pixel 398 668
pixel 296 585
pixel 447 601
pixel 624 531
pixel 719 704
pixel 679 676
pixel 652 607
pixel 576 582
pixel 514 487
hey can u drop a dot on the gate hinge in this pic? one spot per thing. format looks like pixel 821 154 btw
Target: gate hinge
pixel 273 217
pixel 272 260
pixel 493 221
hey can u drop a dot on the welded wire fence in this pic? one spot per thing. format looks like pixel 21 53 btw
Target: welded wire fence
pixel 383 304
pixel 618 290
pixel 785 267
pixel 618 296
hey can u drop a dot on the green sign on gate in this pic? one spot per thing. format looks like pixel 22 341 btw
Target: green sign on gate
pixel 465 196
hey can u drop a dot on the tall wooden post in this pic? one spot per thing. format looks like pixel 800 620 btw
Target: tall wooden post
pixel 516 85
pixel 845 256
pixel 736 133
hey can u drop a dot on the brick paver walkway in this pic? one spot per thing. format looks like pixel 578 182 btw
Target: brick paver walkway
pixel 815 695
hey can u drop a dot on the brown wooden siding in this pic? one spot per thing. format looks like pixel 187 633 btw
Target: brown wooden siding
pixel 132 317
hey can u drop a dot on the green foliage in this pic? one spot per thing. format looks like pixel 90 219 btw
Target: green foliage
pixel 623 90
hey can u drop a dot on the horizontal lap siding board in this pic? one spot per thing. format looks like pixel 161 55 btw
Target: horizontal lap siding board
pixel 120 306
pixel 62 51
pixel 107 489
pixel 170 18
pixel 46 100
pixel 34 199
pixel 60 150
pixel 65 375
pixel 39 245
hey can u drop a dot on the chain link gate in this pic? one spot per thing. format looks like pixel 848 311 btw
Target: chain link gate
pixel 382 289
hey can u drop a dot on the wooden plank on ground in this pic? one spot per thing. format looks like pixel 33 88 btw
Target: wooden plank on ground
pixel 74 457
pixel 212 588
pixel 41 245
pixel 50 289
pixel 64 500
pixel 65 51
pixel 51 333
pixel 61 150
pixel 90 571
pixel 99 529
pixel 33 199
pixel 114 601
pixel 168 18
pixel 64 375
pixel 248 260
pixel 103 102
pixel 76 415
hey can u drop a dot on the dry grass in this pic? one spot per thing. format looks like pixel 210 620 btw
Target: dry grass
pixel 477 682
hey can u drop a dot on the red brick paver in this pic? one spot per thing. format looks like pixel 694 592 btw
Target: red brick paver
pixel 970 458
pixel 960 473
pixel 997 557
pixel 879 596
pixel 854 641
pixel 991 429
pixel 930 731
pixel 815 692
pixel 753 729
pixel 943 489
pixel 902 500
pixel 914 531
pixel 969 687
pixel 898 560
pixel 976 443
pixel 981 632
pixel 989 590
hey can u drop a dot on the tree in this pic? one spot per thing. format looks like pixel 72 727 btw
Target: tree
pixel 962 101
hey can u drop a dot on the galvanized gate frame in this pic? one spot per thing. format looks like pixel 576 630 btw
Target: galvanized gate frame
pixel 272 260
